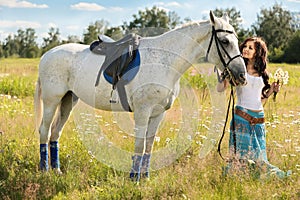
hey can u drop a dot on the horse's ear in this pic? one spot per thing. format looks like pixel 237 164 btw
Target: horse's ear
pixel 212 17
pixel 226 17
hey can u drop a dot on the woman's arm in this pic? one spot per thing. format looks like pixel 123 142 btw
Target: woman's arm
pixel 275 87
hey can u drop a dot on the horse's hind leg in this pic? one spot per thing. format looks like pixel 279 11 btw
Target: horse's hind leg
pixel 61 117
pixel 50 107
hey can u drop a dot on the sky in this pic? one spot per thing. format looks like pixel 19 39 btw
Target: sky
pixel 72 17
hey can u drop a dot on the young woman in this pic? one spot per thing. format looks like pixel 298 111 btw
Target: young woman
pixel 248 144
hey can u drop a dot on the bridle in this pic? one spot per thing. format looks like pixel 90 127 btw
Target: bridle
pixel 214 36
pixel 225 73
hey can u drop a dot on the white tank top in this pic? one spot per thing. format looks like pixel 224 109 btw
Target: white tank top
pixel 249 96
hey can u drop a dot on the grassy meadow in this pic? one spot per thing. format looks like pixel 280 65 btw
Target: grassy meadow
pixel 188 177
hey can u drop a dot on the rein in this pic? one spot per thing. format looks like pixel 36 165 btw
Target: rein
pixel 226 73
pixel 233 123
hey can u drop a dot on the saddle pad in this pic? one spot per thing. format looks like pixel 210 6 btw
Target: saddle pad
pixel 130 72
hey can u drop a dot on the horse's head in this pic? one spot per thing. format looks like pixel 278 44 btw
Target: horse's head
pixel 223 50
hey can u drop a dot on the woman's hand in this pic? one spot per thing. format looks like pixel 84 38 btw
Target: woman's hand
pixel 275 87
pixel 221 86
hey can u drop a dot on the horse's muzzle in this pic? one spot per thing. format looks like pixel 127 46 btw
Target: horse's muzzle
pixel 237 81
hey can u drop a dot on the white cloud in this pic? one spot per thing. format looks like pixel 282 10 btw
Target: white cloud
pixel 296 1
pixel 169 4
pixel 21 4
pixel 87 6
pixel 19 24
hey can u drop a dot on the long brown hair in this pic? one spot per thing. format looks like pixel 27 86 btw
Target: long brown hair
pixel 260 64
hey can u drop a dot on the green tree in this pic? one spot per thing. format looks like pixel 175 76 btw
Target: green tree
pixel 235 21
pixel 1 50
pixel 27 46
pixel 71 39
pixel 154 17
pixel 52 40
pixel 233 14
pixel 151 22
pixel 10 47
pixel 174 20
pixel 93 30
pixel 273 25
pixel 115 33
pixel 292 51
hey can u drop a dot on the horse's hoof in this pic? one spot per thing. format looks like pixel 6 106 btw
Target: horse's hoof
pixel 134 177
pixel 57 171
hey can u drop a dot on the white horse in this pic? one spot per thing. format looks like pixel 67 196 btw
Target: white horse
pixel 69 72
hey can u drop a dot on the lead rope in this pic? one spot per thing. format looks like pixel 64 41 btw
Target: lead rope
pixel 231 97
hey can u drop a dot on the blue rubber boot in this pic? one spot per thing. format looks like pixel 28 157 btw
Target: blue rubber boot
pixel 44 157
pixel 146 166
pixel 54 155
pixel 135 172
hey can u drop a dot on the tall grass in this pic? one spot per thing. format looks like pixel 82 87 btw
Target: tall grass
pixel 189 177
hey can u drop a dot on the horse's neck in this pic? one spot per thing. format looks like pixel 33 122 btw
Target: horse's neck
pixel 186 44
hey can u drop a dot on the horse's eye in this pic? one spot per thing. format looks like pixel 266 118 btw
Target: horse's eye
pixel 225 41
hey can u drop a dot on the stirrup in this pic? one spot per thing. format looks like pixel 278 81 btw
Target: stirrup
pixel 111 97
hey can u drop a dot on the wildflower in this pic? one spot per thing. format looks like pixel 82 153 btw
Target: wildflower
pixel 251 162
pixel 168 140
pixel 288 140
pixel 281 77
pixel 157 139
pixel 203 137
pixel 206 127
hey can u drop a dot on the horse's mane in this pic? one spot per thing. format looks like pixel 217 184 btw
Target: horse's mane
pixel 191 23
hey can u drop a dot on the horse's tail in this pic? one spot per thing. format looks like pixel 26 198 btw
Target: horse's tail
pixel 38 104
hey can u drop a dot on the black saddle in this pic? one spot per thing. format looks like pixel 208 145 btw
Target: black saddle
pixel 118 55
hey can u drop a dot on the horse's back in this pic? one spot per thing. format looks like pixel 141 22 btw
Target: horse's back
pixel 68 49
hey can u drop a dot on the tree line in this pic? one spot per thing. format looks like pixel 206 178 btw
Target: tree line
pixel 273 24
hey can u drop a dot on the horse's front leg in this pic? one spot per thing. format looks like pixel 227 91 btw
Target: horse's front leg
pixel 141 118
pixel 153 125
